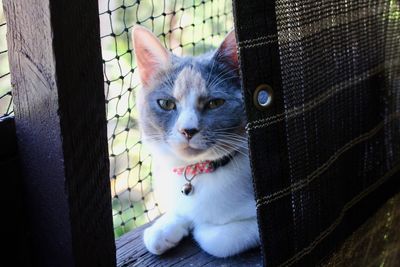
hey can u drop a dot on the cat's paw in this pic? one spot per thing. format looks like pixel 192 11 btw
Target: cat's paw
pixel 227 239
pixel 159 239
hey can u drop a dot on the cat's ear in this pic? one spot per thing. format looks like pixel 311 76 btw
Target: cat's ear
pixel 151 56
pixel 227 51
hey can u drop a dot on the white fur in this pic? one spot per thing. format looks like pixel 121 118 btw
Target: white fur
pixel 221 211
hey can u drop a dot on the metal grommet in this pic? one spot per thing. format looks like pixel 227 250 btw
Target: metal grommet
pixel 263 96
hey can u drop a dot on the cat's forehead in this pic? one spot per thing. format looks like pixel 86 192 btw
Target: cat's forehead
pixel 189 81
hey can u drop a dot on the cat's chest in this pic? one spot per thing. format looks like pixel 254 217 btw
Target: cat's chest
pixel 217 197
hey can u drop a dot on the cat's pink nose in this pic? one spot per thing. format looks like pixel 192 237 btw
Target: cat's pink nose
pixel 188 133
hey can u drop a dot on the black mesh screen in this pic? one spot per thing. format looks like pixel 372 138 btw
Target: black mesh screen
pixel 326 153
pixel 6 107
pixel 186 27
pixel 342 127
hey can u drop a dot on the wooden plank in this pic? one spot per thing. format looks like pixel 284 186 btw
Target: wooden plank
pixel 56 71
pixel 131 252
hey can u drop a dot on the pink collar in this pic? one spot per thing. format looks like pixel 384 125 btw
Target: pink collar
pixel 194 169
pixel 206 166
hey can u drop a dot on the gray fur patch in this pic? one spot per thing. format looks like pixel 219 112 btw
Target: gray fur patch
pixel 189 80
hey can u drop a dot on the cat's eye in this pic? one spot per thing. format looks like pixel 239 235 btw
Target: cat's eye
pixel 166 104
pixel 215 103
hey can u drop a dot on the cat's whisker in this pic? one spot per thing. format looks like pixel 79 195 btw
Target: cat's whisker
pixel 169 80
pixel 240 142
pixel 230 141
pixel 237 149
pixel 217 151
pixel 229 71
pixel 152 139
pixel 232 136
pixel 223 80
pixel 233 141
pixel 228 128
pixel 227 152
pixel 234 147
pixel 236 163
pixel 229 131
pixel 229 146
pixel 221 75
pixel 212 67
pixel 152 135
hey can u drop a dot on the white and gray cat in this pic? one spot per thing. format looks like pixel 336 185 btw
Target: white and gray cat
pixel 191 116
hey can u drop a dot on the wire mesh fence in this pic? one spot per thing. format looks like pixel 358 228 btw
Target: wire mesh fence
pixel 185 27
pixel 6 107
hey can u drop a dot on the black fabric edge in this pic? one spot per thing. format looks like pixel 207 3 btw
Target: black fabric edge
pixel 255 71
pixel 271 74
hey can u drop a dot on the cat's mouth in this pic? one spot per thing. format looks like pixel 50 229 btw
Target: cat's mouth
pixel 193 148
pixel 189 149
pixel 193 151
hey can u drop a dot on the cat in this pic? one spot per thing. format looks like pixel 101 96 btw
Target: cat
pixel 192 118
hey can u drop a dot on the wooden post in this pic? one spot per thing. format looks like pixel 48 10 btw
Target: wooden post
pixel 59 104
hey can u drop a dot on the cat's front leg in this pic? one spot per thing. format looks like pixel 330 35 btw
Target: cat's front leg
pixel 165 233
pixel 227 239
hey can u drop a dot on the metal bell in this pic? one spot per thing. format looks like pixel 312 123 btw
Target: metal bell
pixel 187 189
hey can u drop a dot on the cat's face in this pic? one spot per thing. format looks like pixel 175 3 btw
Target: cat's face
pixel 190 106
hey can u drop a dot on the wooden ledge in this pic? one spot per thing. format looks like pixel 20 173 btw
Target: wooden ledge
pixel 377 242
pixel 132 252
